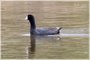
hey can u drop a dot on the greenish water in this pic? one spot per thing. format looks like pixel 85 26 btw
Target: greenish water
pixel 72 16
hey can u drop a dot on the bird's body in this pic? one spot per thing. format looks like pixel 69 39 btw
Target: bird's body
pixel 46 31
pixel 42 30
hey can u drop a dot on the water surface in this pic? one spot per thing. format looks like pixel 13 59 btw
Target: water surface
pixel 72 16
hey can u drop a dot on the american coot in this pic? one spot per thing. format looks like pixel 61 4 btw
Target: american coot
pixel 42 30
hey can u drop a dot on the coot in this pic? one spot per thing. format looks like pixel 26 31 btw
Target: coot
pixel 41 30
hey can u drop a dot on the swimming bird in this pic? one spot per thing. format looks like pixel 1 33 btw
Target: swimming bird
pixel 42 30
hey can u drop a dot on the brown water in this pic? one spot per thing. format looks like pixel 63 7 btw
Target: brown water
pixel 72 16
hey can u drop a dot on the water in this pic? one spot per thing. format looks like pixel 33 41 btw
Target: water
pixel 51 47
pixel 72 43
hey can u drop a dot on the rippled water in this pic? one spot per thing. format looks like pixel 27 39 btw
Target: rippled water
pixel 72 43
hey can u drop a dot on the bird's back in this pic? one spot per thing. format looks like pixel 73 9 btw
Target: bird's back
pixel 47 31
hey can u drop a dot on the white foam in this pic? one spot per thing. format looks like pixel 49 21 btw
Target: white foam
pixel 25 34
pixel 75 35
pixel 64 35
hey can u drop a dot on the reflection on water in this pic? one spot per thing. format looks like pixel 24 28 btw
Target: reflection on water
pixel 31 48
pixel 56 47
pixel 32 44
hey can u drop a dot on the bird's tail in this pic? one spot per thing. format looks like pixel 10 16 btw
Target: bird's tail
pixel 59 30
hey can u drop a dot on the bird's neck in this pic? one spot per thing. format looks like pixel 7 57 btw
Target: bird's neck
pixel 33 25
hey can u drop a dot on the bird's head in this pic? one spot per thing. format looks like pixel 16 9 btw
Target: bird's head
pixel 29 17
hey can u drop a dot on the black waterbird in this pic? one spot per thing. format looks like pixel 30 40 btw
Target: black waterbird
pixel 42 30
